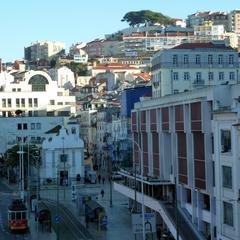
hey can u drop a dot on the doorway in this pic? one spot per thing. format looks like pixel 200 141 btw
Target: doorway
pixel 64 178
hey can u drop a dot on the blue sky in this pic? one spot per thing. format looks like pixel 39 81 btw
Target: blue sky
pixel 25 21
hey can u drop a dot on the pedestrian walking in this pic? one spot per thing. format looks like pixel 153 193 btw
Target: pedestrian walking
pixel 103 180
pixel 102 193
pixel 99 178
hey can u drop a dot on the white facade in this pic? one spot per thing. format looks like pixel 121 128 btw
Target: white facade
pixel 80 57
pixel 190 66
pixel 234 21
pixel 43 50
pixel 63 152
pixel 227 169
pixel 88 125
pixel 32 129
pixel 35 94
pixel 64 77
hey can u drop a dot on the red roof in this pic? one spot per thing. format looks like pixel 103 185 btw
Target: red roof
pixel 114 66
pixel 146 76
pixel 202 45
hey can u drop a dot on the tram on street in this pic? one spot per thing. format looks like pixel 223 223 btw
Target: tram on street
pixel 17 216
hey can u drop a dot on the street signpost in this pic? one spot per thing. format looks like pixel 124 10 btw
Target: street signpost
pixel 150 222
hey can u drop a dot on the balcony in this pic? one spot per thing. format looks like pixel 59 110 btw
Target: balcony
pixel 198 83
pixel 167 211
pixel 130 174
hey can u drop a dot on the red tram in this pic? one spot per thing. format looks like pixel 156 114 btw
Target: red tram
pixel 17 216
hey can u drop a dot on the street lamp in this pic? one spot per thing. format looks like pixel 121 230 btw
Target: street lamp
pixel 142 191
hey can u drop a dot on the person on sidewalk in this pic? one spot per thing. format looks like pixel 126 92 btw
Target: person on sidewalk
pixel 103 180
pixel 99 178
pixel 102 193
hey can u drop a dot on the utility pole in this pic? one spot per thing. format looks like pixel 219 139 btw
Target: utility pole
pixel 176 210
pixel 110 178
pixel 58 237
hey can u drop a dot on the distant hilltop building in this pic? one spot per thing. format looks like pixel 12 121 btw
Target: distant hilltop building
pixel 43 50
pixel 231 20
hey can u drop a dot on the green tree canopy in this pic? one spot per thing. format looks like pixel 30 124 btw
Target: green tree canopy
pixel 141 17
pixel 12 156
pixel 79 69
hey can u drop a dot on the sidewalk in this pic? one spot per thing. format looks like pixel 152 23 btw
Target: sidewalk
pixel 119 218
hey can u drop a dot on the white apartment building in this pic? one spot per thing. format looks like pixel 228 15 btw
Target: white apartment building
pixel 88 125
pixel 31 129
pixel 64 77
pixel 35 94
pixel 144 42
pixel 234 21
pixel 43 50
pixel 80 57
pixel 208 31
pixel 189 146
pixel 63 156
pixel 193 65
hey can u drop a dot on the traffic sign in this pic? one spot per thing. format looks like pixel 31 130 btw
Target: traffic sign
pixel 104 220
pixel 149 222
pixel 57 218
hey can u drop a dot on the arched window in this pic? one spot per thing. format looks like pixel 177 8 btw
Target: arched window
pixel 38 83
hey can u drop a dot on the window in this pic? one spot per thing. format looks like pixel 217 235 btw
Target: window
pixel 9 102
pixel 198 59
pixel 4 103
pixel 227 176
pixel 19 89
pixel 175 59
pixel 60 103
pixel 17 102
pixel 210 59
pixel 232 76
pixel 35 102
pixel 198 76
pixel 175 91
pixel 38 125
pixel 220 59
pixel 210 76
pixel 189 196
pixel 19 126
pixel 206 202
pixel 225 141
pixel 25 126
pixel 186 76
pixel 230 59
pixel 14 89
pixel 22 102
pixel 185 59
pixel 32 126
pixel 175 76
pixel 221 75
pixel 52 102
pixel 228 213
pixel 30 102
pixel 38 83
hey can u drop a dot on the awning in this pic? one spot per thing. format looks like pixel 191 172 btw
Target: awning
pixel 94 205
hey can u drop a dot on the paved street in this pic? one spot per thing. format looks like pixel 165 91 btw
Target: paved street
pixel 119 217
pixel 69 226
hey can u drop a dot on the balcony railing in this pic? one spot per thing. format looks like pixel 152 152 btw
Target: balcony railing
pixel 198 83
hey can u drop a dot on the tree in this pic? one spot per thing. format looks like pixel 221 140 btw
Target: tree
pixel 79 69
pixel 12 156
pixel 146 16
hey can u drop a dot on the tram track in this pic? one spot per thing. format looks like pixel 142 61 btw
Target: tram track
pixel 70 221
